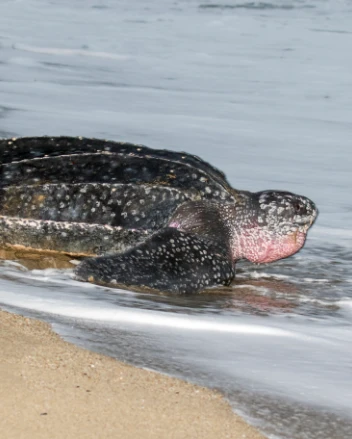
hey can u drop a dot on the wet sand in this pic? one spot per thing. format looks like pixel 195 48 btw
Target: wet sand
pixel 50 388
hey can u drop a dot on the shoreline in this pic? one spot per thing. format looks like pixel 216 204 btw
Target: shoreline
pixel 51 388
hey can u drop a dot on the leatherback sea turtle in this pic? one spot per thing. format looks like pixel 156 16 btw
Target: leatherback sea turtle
pixel 163 220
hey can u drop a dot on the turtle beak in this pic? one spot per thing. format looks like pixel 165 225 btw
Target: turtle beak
pixel 314 216
pixel 309 223
pixel 311 217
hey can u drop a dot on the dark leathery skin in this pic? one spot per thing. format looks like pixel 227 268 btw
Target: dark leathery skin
pixel 170 261
pixel 125 205
pixel 25 148
pixel 203 218
pixel 68 237
pixel 77 160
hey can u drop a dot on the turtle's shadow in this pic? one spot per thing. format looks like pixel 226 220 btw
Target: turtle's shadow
pixel 243 296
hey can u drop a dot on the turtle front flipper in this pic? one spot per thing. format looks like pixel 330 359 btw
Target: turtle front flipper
pixel 169 261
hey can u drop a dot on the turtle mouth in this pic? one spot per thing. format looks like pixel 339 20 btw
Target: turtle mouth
pixel 303 229
pixel 302 224
pixel 307 220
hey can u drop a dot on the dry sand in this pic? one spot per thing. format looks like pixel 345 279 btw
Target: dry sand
pixel 52 389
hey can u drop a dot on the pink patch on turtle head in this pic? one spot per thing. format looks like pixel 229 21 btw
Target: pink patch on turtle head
pixel 261 247
pixel 281 248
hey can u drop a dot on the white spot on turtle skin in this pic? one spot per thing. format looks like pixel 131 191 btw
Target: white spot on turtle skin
pixel 208 190
pixel 262 199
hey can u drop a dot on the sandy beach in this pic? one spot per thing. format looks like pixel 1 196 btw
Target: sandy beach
pixel 50 388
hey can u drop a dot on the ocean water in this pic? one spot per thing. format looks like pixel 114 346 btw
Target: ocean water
pixel 263 91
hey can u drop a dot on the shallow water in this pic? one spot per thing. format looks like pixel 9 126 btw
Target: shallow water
pixel 263 91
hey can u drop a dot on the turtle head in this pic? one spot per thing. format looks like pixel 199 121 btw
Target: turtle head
pixel 274 226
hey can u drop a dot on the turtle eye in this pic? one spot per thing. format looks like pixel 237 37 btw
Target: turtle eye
pixel 298 208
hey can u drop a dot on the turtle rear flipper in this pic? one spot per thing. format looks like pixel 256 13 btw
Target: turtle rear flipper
pixel 170 261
